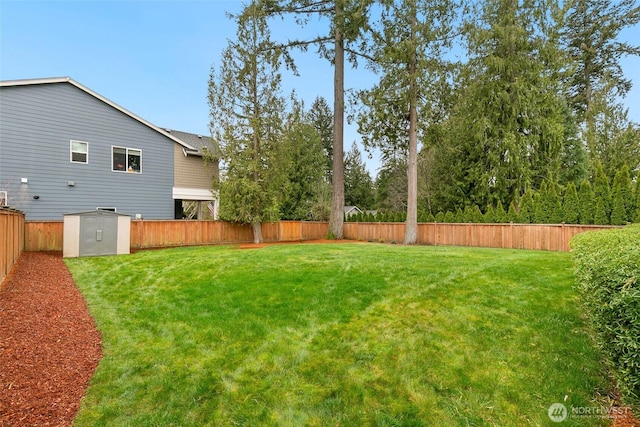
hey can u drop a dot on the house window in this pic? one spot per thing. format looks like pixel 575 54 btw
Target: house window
pixel 79 152
pixel 127 160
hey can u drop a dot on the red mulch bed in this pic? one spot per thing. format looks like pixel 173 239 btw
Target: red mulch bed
pixel 49 345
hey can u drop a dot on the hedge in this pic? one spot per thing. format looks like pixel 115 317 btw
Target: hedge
pixel 608 278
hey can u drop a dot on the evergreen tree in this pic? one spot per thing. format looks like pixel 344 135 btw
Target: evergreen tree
pixel 467 214
pixel 636 216
pixel 616 137
pixel 358 186
pixel 600 216
pixel 571 205
pixel 527 207
pixel 246 120
pixel 574 158
pixel 512 214
pixel 591 40
pixel 321 205
pixel 602 196
pixel 477 216
pixel 508 123
pixel 622 197
pixel 489 215
pixel 459 216
pixel 540 213
pixel 391 185
pixel 500 214
pixel 321 118
pixel 347 20
pixel 554 205
pixel 302 151
pixel 407 41
pixel 449 217
pixel 586 199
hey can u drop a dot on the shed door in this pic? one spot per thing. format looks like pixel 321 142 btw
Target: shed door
pixel 98 235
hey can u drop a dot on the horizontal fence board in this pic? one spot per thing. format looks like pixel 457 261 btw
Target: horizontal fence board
pixel 47 235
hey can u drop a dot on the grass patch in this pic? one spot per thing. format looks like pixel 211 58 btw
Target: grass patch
pixel 336 334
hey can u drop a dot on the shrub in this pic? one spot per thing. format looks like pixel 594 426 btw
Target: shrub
pixel 608 279
pixel 622 199
pixel 587 206
pixel 500 214
pixel 490 215
pixel 571 209
pixel 449 217
pixel 602 194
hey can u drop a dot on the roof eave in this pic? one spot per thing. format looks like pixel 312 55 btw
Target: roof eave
pixel 25 82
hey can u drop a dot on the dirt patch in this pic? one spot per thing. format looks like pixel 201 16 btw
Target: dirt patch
pixel 262 245
pixel 49 345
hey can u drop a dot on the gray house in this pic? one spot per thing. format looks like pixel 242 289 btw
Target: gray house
pixel 65 148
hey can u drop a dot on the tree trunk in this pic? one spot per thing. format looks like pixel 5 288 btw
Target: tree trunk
pixel 336 219
pixel 257 232
pixel 411 224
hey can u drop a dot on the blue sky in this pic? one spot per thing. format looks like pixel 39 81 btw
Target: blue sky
pixel 153 57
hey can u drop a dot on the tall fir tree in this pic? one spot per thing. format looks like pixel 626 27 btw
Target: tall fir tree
pixel 302 159
pixel 246 120
pixel 347 19
pixel 507 127
pixel 406 50
pixel 590 37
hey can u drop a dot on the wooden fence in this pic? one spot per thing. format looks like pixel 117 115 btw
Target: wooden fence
pixel 11 239
pixel 47 236
pixel 549 237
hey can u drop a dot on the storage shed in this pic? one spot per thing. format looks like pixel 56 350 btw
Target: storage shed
pixel 96 232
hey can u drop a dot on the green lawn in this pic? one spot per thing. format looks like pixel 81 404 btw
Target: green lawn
pixel 340 334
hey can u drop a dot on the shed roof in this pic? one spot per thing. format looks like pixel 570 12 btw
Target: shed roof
pixel 95 212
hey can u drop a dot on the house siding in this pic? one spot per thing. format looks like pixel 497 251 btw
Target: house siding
pixel 193 171
pixel 37 123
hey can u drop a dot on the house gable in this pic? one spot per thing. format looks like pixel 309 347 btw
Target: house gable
pixel 38 121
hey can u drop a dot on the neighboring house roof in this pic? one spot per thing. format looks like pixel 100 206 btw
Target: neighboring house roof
pixel 25 82
pixel 201 143
pixel 351 210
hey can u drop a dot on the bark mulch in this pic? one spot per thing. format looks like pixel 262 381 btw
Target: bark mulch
pixel 49 345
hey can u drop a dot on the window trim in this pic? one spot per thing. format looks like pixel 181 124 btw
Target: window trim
pixel 127 149
pixel 71 151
